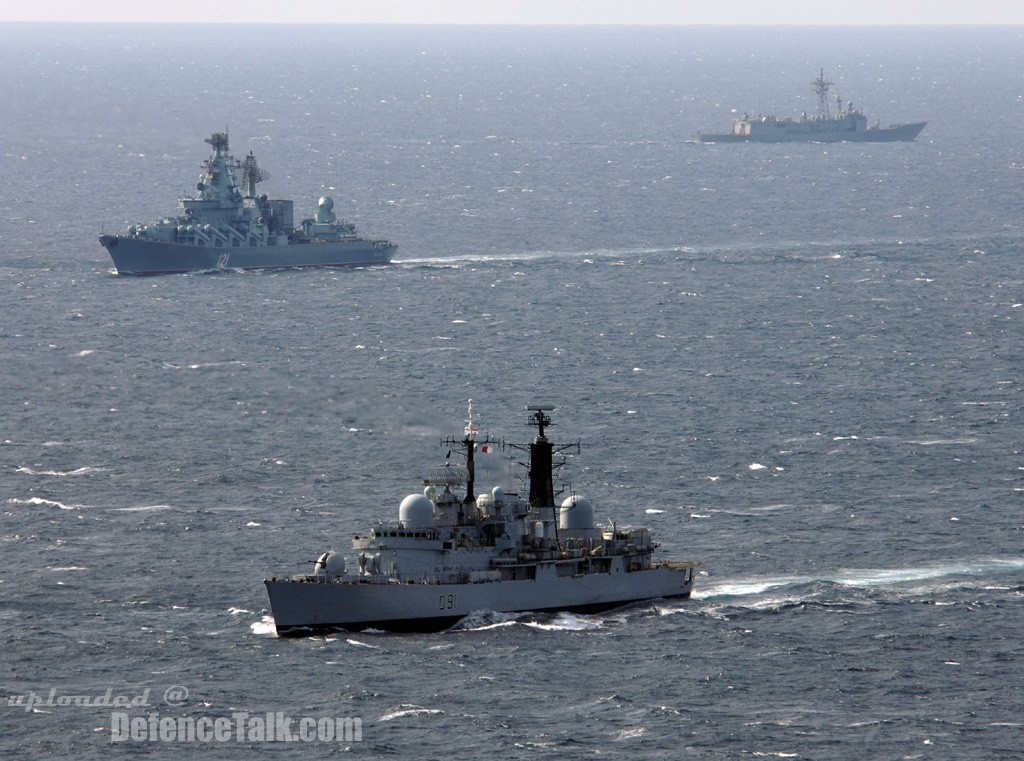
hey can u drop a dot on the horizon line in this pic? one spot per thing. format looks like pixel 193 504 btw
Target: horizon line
pixel 538 24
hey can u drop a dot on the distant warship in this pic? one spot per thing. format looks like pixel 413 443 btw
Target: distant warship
pixel 449 555
pixel 219 228
pixel 848 125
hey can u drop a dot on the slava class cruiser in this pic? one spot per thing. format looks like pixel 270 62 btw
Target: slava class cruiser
pixel 222 228
pixel 848 125
pixel 453 552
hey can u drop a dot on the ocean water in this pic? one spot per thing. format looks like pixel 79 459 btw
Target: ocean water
pixel 797 364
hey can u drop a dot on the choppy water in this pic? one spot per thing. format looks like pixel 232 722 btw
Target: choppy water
pixel 797 364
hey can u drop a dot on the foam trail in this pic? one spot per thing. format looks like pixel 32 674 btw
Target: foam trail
pixel 867 577
pixel 526 256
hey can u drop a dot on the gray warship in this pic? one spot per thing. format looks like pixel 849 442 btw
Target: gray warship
pixel 848 125
pixel 451 554
pixel 219 228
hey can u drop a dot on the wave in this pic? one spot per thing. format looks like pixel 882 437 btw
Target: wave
pixel 204 365
pixel 409 709
pixel 940 442
pixel 357 643
pixel 482 620
pixel 566 622
pixel 60 473
pixel 37 501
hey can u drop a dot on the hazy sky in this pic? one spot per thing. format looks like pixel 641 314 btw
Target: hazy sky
pixel 524 11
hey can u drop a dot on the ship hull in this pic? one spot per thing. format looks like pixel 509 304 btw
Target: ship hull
pixel 898 133
pixel 303 608
pixel 134 256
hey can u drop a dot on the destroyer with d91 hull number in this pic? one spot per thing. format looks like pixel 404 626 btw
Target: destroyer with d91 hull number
pixel 848 125
pixel 219 228
pixel 450 555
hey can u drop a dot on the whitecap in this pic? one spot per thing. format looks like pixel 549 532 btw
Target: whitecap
pixel 204 365
pixel 357 643
pixel 481 620
pixel 60 473
pixel 742 588
pixel 408 709
pixel 630 732
pixel 264 626
pixel 43 502
pixel 940 442
pixel 236 611
pixel 566 622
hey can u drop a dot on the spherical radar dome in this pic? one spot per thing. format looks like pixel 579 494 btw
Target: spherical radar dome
pixel 416 511
pixel 576 513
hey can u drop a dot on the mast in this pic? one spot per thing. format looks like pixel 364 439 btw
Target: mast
pixel 821 86
pixel 542 488
pixel 541 468
pixel 252 173
pixel 468 444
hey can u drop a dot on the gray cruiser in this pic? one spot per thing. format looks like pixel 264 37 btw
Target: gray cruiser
pixel 451 554
pixel 849 125
pixel 219 228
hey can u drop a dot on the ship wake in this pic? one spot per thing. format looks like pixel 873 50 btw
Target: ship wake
pixel 849 587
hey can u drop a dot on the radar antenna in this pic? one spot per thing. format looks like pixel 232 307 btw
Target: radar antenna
pixel 252 173
pixel 219 141
pixel 538 418
pixel 821 86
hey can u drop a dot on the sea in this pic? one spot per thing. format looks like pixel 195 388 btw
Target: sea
pixel 798 364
